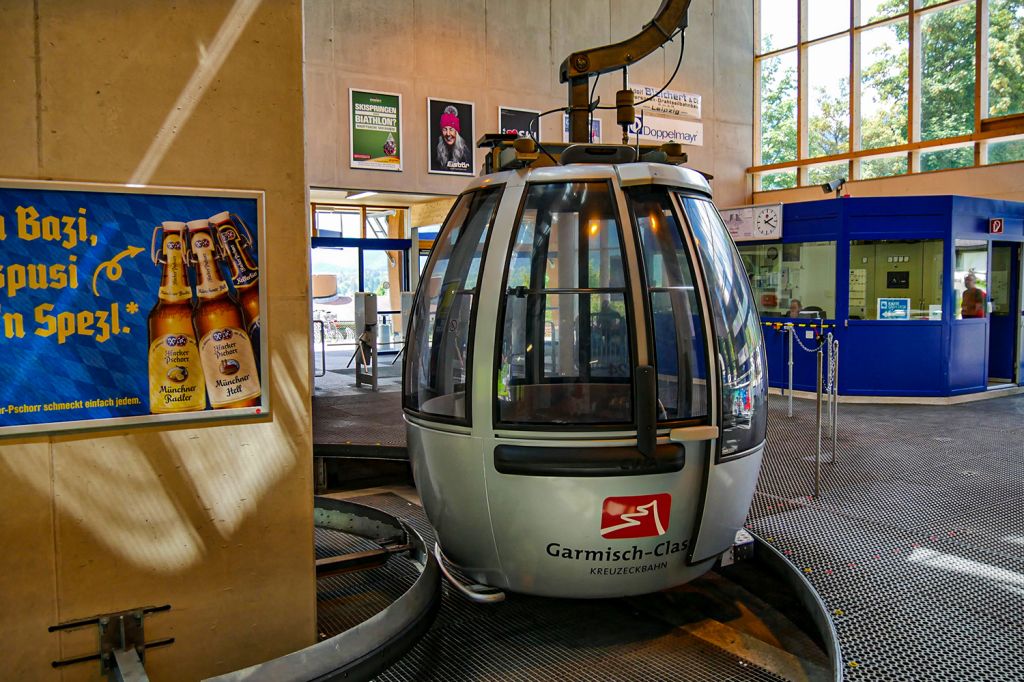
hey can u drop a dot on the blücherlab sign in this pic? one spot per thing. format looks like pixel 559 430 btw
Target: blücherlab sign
pixel 669 102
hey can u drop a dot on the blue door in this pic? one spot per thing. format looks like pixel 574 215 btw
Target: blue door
pixel 1003 298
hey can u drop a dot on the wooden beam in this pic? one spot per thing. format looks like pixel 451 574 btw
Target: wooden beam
pixel 980 8
pixel 1016 129
pixel 854 94
pixel 802 118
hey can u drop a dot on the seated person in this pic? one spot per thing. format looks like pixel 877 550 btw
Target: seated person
pixel 972 304
pixel 795 306
pixel 608 321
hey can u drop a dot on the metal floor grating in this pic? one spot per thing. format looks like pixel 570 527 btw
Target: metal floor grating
pixel 523 638
pixel 370 420
pixel 917 541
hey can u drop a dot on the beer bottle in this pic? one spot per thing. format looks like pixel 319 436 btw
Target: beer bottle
pixel 175 372
pixel 245 275
pixel 224 348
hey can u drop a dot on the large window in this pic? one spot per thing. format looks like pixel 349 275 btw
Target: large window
pixel 903 277
pixel 737 331
pixel 565 349
pixel 792 280
pixel 927 84
pixel 438 355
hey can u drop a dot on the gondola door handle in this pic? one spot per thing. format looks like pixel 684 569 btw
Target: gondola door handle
pixel 646 398
pixel 689 434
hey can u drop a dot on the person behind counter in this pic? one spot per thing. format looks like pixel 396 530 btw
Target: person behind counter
pixel 973 302
pixel 795 306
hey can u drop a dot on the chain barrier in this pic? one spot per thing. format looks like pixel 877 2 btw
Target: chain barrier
pixel 801 343
pixel 826 350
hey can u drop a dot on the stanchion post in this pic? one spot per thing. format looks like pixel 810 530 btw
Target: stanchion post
pixel 828 378
pixel 835 390
pixel 817 453
pixel 792 331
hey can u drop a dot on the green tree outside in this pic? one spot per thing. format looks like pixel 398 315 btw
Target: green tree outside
pixel 947 95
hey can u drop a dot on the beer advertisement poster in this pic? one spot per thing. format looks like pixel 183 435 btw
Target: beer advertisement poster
pixel 450 137
pixel 128 305
pixel 375 130
pixel 521 122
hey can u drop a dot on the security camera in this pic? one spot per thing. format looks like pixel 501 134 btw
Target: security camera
pixel 834 186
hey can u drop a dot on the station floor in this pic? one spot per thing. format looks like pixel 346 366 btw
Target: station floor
pixel 916 542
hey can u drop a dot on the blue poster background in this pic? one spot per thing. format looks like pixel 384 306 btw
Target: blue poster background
pixel 38 370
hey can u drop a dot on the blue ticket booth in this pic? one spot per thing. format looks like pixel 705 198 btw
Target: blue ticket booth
pixel 923 298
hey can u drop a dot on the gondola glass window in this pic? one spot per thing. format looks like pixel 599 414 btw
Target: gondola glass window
pixel 565 352
pixel 676 318
pixel 438 351
pixel 737 330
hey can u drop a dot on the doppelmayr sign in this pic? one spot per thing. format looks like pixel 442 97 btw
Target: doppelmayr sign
pixel 658 129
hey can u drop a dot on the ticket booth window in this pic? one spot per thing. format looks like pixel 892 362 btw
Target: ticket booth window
pixel 903 276
pixel 790 280
pixel 970 278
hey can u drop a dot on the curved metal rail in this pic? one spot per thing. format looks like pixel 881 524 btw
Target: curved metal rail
pixel 362 652
pixel 813 605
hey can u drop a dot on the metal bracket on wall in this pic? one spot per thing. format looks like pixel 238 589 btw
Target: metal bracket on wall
pixel 122 642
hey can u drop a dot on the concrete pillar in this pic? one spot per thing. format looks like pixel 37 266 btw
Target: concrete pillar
pixel 215 520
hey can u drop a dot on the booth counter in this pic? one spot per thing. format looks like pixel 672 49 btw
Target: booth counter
pixel 924 299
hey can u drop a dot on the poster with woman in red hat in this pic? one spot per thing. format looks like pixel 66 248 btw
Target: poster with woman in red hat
pixel 450 139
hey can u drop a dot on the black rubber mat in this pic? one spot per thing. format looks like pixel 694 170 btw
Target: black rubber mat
pixel 917 541
pixel 525 638
pixel 358 425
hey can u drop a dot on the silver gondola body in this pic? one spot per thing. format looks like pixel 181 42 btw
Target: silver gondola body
pixel 564 313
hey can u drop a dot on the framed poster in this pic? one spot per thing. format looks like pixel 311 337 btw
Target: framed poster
pixel 519 122
pixel 375 130
pixel 595 129
pixel 450 137
pixel 129 305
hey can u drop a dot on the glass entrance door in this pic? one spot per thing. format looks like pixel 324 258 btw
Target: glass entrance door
pixel 1003 301
pixel 370 265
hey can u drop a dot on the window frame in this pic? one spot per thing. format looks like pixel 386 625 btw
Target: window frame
pixel 781 243
pixel 698 297
pixel 631 317
pixel 923 238
pixel 987 129
pixel 679 194
pixel 471 333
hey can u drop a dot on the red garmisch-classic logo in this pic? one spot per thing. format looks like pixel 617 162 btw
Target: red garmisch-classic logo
pixel 635 516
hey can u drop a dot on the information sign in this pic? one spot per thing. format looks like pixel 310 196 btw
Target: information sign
pixel 894 308
pixel 658 129
pixel 669 102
